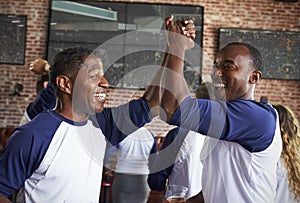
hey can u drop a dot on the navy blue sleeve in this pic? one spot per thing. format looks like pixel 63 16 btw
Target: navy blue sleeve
pixel 164 160
pixel 14 162
pixel 25 151
pixel 45 100
pixel 118 122
pixel 154 147
pixel 251 124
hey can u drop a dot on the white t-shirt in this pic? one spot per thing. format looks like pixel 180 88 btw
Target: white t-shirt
pixel 133 152
pixel 187 170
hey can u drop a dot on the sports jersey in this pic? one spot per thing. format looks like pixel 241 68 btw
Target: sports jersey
pixel 239 166
pixel 187 167
pixel 55 159
pixel 283 192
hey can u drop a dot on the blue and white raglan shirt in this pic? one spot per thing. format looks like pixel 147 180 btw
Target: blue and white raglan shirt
pixel 54 159
pixel 187 167
pixel 241 153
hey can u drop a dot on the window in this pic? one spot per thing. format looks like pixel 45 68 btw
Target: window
pixel 129 37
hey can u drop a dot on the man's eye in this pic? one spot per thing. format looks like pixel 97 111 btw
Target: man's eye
pixel 94 76
pixel 228 67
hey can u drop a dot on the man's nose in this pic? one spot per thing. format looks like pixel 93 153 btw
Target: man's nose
pixel 216 72
pixel 103 82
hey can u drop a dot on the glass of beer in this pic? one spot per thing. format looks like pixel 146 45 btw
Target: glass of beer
pixel 176 194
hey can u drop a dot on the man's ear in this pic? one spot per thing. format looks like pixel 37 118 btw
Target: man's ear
pixel 64 84
pixel 255 77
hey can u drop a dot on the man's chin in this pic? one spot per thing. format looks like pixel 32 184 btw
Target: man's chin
pixel 99 109
pixel 220 95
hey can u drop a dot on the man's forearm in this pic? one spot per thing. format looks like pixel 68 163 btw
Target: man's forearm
pixel 174 85
pixel 172 89
pixel 153 91
pixel 152 94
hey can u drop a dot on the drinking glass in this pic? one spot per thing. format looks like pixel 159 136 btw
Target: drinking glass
pixel 176 194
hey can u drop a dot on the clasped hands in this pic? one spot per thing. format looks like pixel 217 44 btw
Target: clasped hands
pixel 181 34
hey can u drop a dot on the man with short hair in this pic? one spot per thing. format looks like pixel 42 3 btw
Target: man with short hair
pixel 244 143
pixel 58 155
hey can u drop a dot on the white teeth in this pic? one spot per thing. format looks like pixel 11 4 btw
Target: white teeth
pixel 100 96
pixel 220 85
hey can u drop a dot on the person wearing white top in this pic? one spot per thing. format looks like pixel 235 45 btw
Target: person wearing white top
pixel 288 168
pixel 58 155
pixel 240 164
pixel 187 167
pixel 131 168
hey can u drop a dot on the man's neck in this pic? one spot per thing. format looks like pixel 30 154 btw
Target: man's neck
pixel 67 111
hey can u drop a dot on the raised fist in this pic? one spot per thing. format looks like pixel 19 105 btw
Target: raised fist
pixel 39 66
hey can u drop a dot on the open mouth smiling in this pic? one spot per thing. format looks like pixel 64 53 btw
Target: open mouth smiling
pixel 101 96
pixel 219 85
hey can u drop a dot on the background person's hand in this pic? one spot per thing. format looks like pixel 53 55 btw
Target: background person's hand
pixel 39 66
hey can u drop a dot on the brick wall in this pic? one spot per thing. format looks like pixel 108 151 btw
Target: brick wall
pixel 254 14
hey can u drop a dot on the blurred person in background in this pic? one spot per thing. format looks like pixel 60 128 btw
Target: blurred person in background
pixel 41 68
pixel 288 168
pixel 184 148
pixel 131 169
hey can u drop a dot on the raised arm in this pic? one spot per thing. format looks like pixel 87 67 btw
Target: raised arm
pixel 174 89
pixel 152 93
pixel 45 100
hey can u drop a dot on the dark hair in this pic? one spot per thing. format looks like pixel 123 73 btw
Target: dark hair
pixel 67 62
pixel 255 55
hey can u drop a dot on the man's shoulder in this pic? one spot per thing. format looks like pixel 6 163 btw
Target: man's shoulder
pixel 43 125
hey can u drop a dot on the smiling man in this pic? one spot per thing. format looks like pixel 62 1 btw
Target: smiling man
pixel 244 144
pixel 58 155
